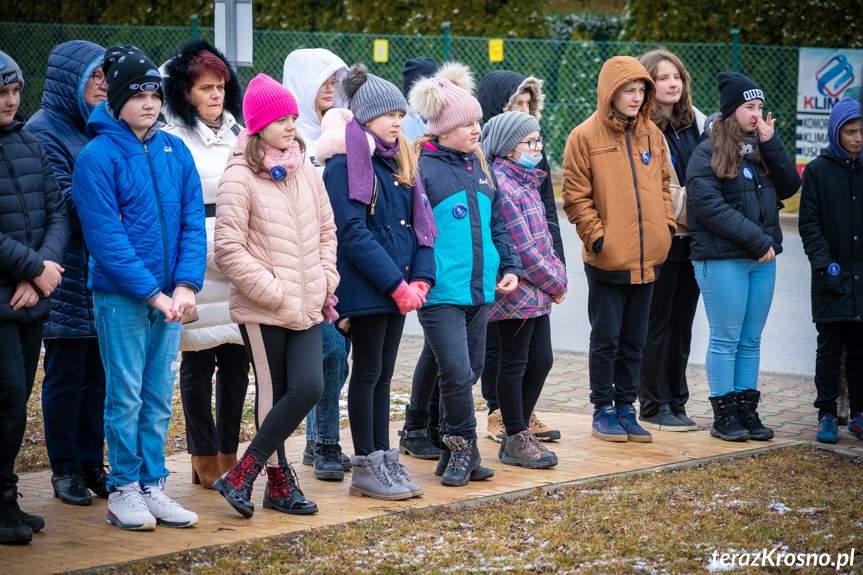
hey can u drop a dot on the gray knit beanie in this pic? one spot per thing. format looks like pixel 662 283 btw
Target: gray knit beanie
pixel 10 71
pixel 501 134
pixel 370 95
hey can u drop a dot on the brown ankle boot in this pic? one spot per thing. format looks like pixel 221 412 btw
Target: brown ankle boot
pixel 205 470
pixel 226 461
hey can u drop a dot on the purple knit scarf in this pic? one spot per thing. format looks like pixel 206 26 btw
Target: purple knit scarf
pixel 361 179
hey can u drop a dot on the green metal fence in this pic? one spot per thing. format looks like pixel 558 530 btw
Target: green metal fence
pixel 570 69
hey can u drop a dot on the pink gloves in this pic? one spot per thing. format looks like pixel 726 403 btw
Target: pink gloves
pixel 329 310
pixel 422 287
pixel 409 296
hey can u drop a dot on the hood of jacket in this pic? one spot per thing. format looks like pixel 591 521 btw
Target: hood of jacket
pixel 69 68
pixel 305 71
pixel 176 83
pixel 615 73
pixel 845 110
pixel 499 89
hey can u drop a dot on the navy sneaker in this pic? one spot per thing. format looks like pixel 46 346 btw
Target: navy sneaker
pixel 627 421
pixel 855 425
pixel 828 429
pixel 606 426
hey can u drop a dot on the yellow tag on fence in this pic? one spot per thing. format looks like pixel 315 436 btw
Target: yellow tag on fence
pixel 381 50
pixel 495 50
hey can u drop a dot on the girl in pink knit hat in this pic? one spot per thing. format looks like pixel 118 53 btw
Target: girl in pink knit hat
pixel 473 260
pixel 276 243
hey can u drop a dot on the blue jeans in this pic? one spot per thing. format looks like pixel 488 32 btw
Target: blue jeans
pixel 456 335
pixel 322 422
pixel 737 296
pixel 139 352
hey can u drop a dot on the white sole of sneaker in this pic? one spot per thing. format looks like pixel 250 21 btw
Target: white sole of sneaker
pixel 657 427
pixel 112 519
pixel 362 493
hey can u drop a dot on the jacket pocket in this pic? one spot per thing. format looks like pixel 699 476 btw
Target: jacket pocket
pixel 604 150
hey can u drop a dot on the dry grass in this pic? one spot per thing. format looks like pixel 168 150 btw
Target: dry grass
pixel 798 499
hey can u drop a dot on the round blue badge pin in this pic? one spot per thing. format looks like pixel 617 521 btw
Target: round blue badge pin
pixel 747 173
pixel 674 161
pixel 278 173
pixel 833 269
pixel 645 157
pixel 459 211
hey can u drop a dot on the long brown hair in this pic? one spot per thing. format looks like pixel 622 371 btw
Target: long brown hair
pixel 726 137
pixel 406 162
pixel 418 148
pixel 254 152
pixel 682 115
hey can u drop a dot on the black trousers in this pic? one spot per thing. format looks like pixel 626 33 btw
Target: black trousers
pixel 375 341
pixel 832 337
pixel 669 335
pixel 525 360
pixel 20 344
pixel 289 376
pixel 203 436
pixel 73 404
pixel 488 381
pixel 618 316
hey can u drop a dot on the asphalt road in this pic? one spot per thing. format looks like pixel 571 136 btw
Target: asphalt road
pixel 788 341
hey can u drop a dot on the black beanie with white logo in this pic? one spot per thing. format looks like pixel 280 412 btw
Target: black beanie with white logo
pixel 128 71
pixel 735 90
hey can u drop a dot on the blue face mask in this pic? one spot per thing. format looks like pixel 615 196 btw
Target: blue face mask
pixel 528 161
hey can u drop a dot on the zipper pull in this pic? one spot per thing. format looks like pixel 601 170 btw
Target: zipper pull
pixel 373 209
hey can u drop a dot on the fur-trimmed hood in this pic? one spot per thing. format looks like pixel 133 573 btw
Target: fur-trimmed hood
pixel 332 140
pixel 176 84
pixel 499 90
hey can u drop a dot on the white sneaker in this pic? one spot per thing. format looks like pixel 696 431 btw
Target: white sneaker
pixel 167 511
pixel 127 510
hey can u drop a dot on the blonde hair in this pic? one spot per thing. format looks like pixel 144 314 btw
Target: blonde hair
pixel 682 114
pixel 406 162
pixel 418 148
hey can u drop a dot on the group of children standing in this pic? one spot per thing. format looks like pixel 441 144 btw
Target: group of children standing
pixel 315 229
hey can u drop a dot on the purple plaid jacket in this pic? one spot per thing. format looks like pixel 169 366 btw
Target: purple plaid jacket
pixel 543 274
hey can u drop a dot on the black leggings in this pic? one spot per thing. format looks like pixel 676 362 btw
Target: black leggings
pixel 289 377
pixel 375 340
pixel 525 360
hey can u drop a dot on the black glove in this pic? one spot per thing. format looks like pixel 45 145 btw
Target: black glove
pixel 597 245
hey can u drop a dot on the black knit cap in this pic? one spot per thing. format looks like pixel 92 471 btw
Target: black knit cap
pixel 415 69
pixel 129 71
pixel 735 90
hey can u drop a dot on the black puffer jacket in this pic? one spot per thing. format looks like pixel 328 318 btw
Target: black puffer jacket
pixel 33 222
pixel 830 223
pixel 738 218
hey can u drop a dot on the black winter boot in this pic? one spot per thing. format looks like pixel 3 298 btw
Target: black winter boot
pixel 726 424
pixel 477 474
pixel 13 531
pixel 236 484
pixel 415 435
pixel 747 402
pixel 434 424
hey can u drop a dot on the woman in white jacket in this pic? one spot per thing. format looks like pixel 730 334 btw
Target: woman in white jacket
pixel 202 98
pixel 312 76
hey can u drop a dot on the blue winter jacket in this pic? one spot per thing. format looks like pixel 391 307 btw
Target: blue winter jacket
pixel 141 210
pixel 473 246
pixel 60 128
pixel 378 248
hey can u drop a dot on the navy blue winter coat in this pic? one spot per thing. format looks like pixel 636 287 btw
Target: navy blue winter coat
pixel 141 210
pixel 376 251
pixel 738 218
pixel 35 233
pixel 473 246
pixel 60 128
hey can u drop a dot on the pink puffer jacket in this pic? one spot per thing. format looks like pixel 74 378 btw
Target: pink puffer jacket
pixel 276 243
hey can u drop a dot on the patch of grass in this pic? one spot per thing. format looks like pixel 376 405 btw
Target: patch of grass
pixel 797 499
pixel 792 204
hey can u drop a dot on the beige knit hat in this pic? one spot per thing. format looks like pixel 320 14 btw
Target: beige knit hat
pixel 446 100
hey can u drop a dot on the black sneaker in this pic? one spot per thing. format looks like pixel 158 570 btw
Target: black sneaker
pixel 13 531
pixel 97 481
pixel 681 415
pixel 327 463
pixel 309 453
pixel 662 421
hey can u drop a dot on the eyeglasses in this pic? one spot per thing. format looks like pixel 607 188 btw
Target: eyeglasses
pixel 534 143
pixel 98 77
